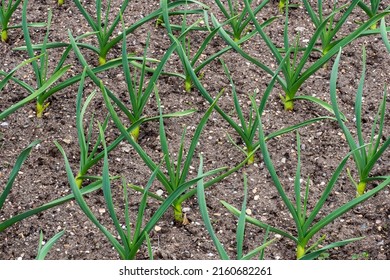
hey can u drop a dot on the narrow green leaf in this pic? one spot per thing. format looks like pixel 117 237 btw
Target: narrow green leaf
pixel 42 252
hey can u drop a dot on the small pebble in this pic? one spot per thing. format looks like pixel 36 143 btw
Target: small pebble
pixel 159 192
pixel 248 211
pixel 157 228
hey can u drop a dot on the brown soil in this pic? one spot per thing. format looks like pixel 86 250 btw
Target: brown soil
pixel 43 177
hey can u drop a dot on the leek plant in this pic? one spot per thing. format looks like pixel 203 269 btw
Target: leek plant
pixel 239 21
pixel 7 9
pixel 371 9
pixel 41 70
pixel 307 223
pixel 295 70
pixel 365 158
pixel 138 95
pixel 240 231
pixel 6 12
pixel 247 129
pixel 89 155
pixel 329 36
pixel 131 235
pixel 43 250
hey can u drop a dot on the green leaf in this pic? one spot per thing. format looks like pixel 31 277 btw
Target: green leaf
pixel 315 254
pixel 42 251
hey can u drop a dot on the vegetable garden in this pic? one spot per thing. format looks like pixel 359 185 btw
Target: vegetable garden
pixel 187 129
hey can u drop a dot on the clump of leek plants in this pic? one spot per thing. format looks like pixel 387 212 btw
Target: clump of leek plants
pixel 366 157
pixel 131 234
pixel 240 231
pixel 246 128
pixel 195 62
pixel 295 70
pixel 138 95
pixel 104 30
pixel 307 223
pixel 178 169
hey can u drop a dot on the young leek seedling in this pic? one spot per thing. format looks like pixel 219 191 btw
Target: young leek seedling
pixel 367 157
pixel 41 69
pixel 330 35
pixel 6 12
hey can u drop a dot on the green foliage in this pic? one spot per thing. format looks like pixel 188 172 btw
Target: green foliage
pixel 240 227
pixel 371 9
pixel 6 12
pixel 295 70
pixel 41 69
pixel 43 250
pixel 242 22
pixel 366 157
pixel 307 224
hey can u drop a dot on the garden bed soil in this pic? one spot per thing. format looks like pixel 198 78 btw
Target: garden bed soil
pixel 43 178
